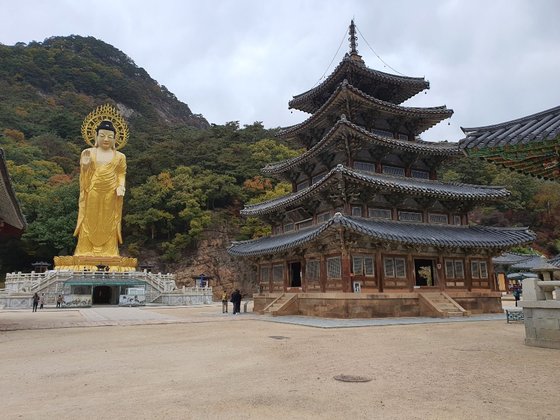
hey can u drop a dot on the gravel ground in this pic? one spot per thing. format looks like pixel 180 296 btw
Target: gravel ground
pixel 197 363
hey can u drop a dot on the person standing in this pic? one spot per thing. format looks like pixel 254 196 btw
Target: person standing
pixel 236 300
pixel 224 302
pixel 35 301
pixel 41 301
pixel 59 301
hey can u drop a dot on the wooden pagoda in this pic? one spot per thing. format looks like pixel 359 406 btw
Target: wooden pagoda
pixel 368 229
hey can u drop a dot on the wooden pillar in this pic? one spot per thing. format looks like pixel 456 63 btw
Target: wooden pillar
pixel 286 275
pixel 345 266
pixel 323 273
pixel 468 274
pixel 379 270
pixel 411 271
pixel 303 277
pixel 270 278
pixel 491 277
pixel 440 272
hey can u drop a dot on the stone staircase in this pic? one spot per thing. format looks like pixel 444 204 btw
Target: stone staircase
pixel 285 304
pixel 441 305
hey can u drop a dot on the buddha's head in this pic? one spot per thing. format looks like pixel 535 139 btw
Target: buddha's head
pixel 105 135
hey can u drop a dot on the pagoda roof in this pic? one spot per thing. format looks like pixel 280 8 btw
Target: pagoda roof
pixel 10 211
pixel 345 127
pixel 442 236
pixel 402 185
pixel 388 87
pixel 529 145
pixel 423 117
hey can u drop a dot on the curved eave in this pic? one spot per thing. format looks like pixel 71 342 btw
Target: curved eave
pixel 343 126
pixel 411 186
pixel 10 211
pixel 407 86
pixel 539 127
pixel 425 118
pixel 441 236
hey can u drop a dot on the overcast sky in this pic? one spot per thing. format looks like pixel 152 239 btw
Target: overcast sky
pixel 242 60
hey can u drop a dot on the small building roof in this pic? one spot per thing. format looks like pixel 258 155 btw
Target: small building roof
pixel 510 258
pixel 402 185
pixel 12 221
pixel 534 263
pixel 530 144
pixel 555 261
pixel 429 235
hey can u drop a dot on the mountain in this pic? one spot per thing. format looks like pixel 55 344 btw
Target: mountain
pixel 49 81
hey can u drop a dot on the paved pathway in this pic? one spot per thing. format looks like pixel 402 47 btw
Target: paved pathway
pixel 24 319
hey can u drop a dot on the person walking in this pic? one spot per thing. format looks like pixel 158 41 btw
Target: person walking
pixel 59 301
pixel 224 302
pixel 41 301
pixel 35 301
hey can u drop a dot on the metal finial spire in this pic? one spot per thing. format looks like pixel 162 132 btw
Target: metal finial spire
pixel 353 38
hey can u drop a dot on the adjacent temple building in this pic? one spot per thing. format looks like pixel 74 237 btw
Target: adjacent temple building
pixel 368 229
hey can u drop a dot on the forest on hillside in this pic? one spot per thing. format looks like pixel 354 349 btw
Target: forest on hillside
pixel 185 176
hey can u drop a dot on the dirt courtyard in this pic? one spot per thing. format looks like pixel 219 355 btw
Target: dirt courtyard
pixel 210 365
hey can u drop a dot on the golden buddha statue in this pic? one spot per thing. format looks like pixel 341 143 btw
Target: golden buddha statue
pixel 102 188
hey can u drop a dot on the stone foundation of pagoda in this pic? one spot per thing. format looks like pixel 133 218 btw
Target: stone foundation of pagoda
pixel 378 305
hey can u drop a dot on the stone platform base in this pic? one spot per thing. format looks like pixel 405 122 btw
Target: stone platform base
pixel 378 305
pixel 542 323
pixel 92 263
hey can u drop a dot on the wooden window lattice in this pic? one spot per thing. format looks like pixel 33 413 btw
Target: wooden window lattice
pixel 334 268
pixel 395 267
pixel 312 270
pixel 278 273
pixel 380 214
pixel 265 274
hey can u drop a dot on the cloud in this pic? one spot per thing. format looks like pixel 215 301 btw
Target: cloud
pixel 243 60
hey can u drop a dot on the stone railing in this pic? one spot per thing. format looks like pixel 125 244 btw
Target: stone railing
pixel 541 309
pixel 165 283
pixel 31 282
pixel 27 282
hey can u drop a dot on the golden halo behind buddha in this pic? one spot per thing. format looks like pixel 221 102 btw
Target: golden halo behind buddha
pixel 105 113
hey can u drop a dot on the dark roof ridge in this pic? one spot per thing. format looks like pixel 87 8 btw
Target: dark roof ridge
pixel 391 231
pixel 419 146
pixel 512 122
pixel 347 60
pixel 344 85
pixel 394 183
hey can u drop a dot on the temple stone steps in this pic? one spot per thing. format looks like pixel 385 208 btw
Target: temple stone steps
pixel 441 304
pixel 279 305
